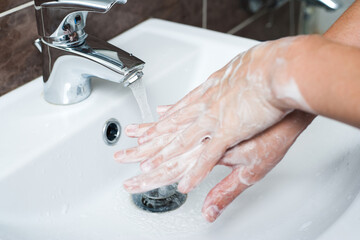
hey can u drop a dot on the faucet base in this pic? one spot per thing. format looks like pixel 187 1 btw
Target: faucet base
pixel 68 93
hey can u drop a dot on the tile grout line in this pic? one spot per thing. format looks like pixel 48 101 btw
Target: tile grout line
pixel 204 14
pixel 15 9
pixel 247 21
pixel 292 17
pixel 252 18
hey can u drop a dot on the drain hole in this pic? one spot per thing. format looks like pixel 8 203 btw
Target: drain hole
pixel 159 204
pixel 111 131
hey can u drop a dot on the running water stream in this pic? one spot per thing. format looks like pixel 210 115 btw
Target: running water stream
pixel 139 92
pixel 164 198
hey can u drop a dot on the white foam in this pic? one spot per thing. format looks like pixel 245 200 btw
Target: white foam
pixel 290 91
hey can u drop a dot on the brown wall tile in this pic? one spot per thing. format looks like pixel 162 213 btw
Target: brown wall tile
pixel 272 25
pixel 19 59
pixel 223 15
pixel 123 17
pixel 8 4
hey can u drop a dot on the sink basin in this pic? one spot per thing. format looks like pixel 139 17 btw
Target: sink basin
pixel 58 179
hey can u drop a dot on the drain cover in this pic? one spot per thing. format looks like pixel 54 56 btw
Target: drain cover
pixel 159 204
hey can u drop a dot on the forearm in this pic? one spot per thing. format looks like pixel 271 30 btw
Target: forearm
pixel 325 74
pixel 346 29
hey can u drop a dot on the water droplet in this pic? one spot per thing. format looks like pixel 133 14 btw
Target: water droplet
pixel 305 226
pixel 65 208
pixel 48 214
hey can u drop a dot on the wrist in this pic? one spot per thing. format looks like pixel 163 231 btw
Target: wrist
pixel 289 67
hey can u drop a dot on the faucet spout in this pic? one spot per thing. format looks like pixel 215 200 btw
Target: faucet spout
pixel 330 5
pixel 67 71
pixel 111 57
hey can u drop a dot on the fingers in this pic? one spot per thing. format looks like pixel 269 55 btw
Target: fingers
pixel 222 195
pixel 234 184
pixel 164 147
pixel 144 151
pixel 130 155
pixel 190 97
pixel 193 96
pixel 155 179
pixel 173 123
pixel 270 145
pixel 180 144
pixel 184 112
pixel 241 154
pixel 167 173
pixel 161 109
pixel 209 157
pixel 137 130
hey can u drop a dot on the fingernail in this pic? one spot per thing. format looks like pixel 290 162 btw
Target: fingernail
pixel 145 167
pixel 184 188
pixel 142 139
pixel 123 154
pixel 131 128
pixel 129 182
pixel 119 155
pixel 211 213
pixel 162 108
pixel 130 185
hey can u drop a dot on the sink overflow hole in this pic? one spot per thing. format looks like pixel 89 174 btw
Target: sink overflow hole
pixel 111 131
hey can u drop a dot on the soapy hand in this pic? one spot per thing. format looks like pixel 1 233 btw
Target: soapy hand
pixel 233 105
pixel 251 160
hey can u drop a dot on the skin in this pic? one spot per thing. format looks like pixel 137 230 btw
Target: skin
pixel 346 29
pixel 276 141
pixel 200 123
pixel 330 86
pixel 252 155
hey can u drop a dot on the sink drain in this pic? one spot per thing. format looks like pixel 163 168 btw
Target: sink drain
pixel 162 199
pixel 159 205
pixel 111 131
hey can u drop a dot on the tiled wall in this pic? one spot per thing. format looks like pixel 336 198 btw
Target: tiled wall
pixel 20 61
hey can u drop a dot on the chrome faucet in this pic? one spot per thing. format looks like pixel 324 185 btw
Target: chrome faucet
pixel 330 5
pixel 71 57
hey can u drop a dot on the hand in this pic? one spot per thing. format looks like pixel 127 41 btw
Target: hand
pixel 251 160
pixel 234 104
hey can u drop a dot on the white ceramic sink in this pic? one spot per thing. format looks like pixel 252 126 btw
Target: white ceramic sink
pixel 58 179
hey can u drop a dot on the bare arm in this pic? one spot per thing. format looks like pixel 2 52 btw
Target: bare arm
pixel 346 29
pixel 327 75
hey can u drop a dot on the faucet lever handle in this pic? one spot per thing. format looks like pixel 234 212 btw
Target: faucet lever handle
pixel 101 6
pixel 62 21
